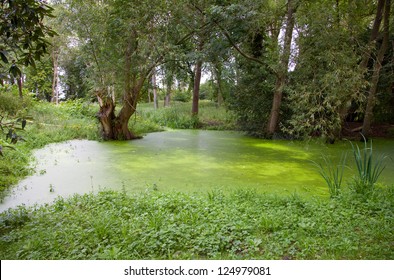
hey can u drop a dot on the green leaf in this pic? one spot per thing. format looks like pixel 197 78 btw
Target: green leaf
pixel 15 71
pixel 3 55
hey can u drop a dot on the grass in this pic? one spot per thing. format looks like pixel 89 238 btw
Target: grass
pixel 240 225
pixel 178 116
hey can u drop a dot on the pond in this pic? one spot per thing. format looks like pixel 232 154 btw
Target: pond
pixel 182 160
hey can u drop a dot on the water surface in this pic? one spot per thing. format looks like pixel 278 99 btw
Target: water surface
pixel 182 160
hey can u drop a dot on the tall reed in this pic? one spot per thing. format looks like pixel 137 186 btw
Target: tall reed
pixel 331 173
pixel 369 169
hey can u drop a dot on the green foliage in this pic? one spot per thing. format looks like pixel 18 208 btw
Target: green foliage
pixel 178 116
pixel 52 123
pixel 23 34
pixel 39 79
pixel 368 168
pixel 181 96
pixel 11 104
pixel 252 99
pixel 75 81
pixel 326 78
pixel 206 91
pixel 240 225
pixel 47 123
pixel 332 174
pixel 79 108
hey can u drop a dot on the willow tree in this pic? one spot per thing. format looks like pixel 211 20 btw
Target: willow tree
pixel 126 40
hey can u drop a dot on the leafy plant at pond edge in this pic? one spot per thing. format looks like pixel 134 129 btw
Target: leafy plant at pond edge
pixel 332 174
pixel 11 134
pixel 239 225
pixel 368 169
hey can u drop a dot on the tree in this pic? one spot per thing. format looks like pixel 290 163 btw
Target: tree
pixel 252 29
pixel 23 35
pixel 281 73
pixel 154 89
pixel 366 130
pixel 326 73
pixel 126 40
pixel 39 79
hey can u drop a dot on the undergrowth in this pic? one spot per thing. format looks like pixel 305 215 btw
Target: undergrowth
pixel 178 116
pixel 241 225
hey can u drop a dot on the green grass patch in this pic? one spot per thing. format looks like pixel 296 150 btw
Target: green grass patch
pixel 178 116
pixel 240 225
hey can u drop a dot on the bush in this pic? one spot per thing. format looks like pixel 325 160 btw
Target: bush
pixel 79 108
pixel 181 96
pixel 10 102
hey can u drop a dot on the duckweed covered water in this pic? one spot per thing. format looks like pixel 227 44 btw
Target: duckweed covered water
pixel 182 160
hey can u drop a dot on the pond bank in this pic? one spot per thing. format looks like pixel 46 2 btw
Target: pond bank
pixel 181 160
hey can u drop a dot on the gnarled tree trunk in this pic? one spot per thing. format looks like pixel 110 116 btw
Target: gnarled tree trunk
pixel 106 114
pixel 116 127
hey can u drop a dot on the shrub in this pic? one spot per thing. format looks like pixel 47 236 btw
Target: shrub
pixel 10 102
pixel 181 96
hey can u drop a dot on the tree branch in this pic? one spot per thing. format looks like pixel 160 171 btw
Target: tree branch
pixel 235 46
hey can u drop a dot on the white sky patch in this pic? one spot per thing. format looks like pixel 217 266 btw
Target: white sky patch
pixel 294 50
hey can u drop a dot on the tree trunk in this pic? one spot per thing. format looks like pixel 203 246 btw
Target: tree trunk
pixel 344 111
pixel 374 35
pixel 218 77
pixel 167 98
pixel 155 97
pixel 116 127
pixel 106 114
pixel 197 80
pixel 19 81
pixel 55 94
pixel 196 88
pixel 282 73
pixel 376 73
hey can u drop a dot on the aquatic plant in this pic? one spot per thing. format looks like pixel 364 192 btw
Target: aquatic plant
pixel 369 169
pixel 332 173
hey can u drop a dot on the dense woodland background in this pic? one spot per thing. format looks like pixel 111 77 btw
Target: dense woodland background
pixel 288 69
